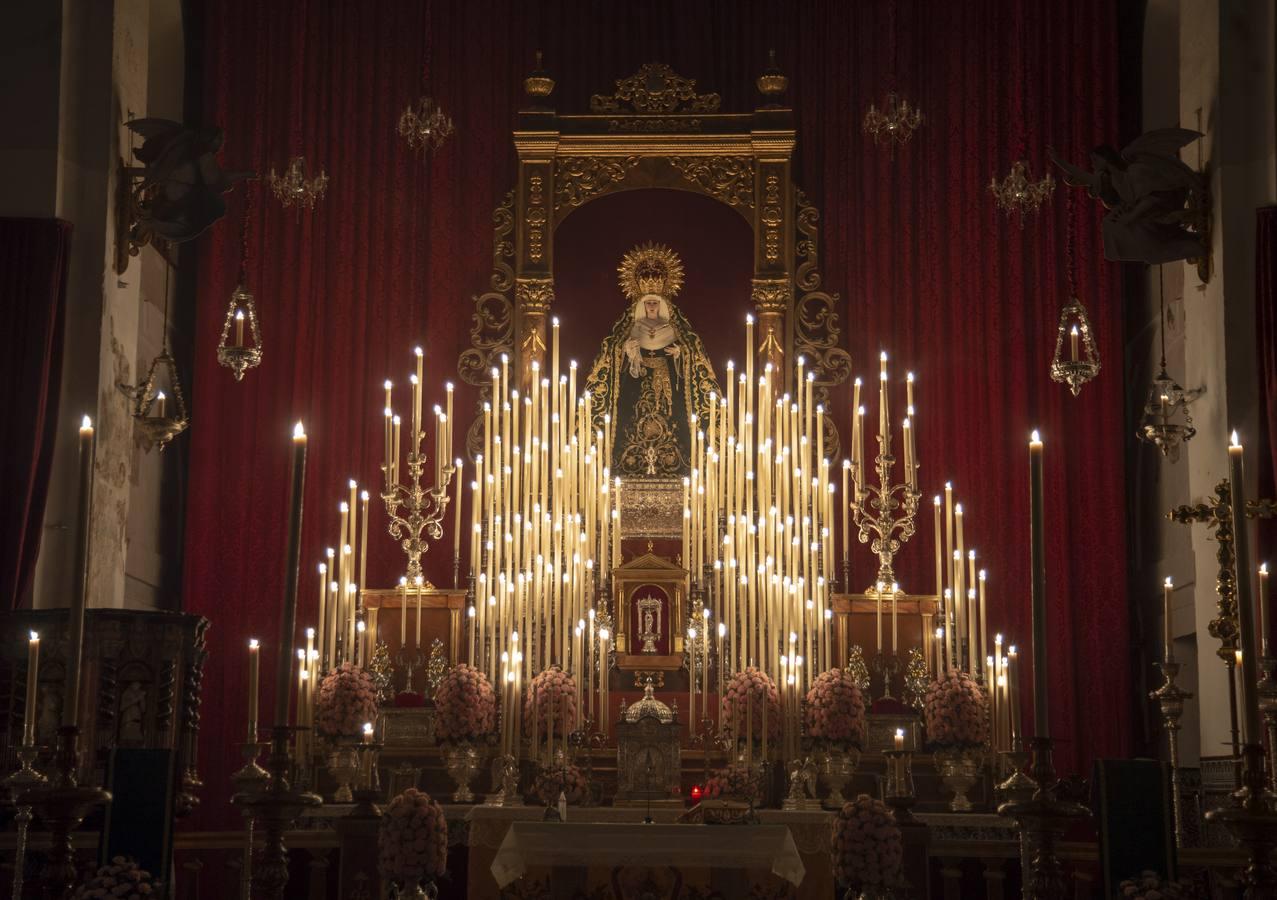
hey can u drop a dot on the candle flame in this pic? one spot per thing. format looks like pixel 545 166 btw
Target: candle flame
pixel 239 315
pixel 86 424
pixel 1263 569
pixel 35 635
pixel 1011 650
pixel 310 632
pixel 368 728
pixel 363 495
pixel 159 395
pixel 722 630
pixel 1235 442
pixel 1073 331
pixel 1034 437
pixel 299 432
pixel 1168 582
pixel 418 351
pixel 900 732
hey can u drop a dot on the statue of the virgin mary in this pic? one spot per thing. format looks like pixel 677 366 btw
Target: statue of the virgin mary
pixel 652 374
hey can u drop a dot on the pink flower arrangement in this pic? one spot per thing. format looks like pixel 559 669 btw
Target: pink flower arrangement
pixel 866 845
pixel 955 711
pixel 746 689
pixel 347 699
pixel 551 695
pixel 1148 885
pixel 120 879
pixel 412 841
pixel 836 709
pixel 465 706
pixel 736 782
pixel 550 782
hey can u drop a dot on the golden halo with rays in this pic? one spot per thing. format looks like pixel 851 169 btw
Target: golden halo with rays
pixel 650 269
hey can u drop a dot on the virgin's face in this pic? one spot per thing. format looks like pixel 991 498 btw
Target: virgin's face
pixel 652 307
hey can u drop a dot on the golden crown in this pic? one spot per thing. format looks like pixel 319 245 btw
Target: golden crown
pixel 650 269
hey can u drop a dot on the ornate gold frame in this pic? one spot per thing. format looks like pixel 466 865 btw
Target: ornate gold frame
pixel 656 131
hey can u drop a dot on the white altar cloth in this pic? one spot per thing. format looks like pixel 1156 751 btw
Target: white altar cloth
pixel 690 846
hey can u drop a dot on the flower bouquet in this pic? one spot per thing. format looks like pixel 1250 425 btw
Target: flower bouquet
pixel 550 698
pixel 465 706
pixel 736 782
pixel 550 783
pixel 957 721
pixel 412 841
pixel 955 712
pixel 743 704
pixel 1148 885
pixel 347 699
pixel 836 710
pixel 867 847
pixel 120 879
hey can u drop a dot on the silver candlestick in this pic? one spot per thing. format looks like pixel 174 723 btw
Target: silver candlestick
pixel 1170 699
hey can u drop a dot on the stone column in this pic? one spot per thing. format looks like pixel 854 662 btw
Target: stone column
pixel 1226 90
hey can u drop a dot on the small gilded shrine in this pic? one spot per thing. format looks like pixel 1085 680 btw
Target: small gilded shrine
pixel 648 754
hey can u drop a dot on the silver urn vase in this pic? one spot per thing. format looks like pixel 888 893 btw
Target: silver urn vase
pixel 958 768
pixel 343 766
pixel 462 761
pixel 839 766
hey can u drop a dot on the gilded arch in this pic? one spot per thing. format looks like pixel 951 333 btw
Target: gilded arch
pixel 656 131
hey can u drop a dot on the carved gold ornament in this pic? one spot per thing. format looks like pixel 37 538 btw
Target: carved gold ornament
pixel 654 88
pixel 651 269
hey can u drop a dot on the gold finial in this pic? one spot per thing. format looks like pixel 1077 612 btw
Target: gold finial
pixel 772 83
pixel 539 84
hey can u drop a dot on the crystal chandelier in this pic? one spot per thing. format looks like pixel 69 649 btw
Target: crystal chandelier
pixel 895 123
pixel 237 355
pixel 425 126
pixel 1019 193
pixel 1166 422
pixel 293 188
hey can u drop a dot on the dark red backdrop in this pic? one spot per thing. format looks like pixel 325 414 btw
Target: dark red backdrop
pixel 911 241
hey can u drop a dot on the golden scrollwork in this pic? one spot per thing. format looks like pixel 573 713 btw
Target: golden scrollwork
pixel 727 178
pixel 654 88
pixel 578 178
pixel 492 331
pixel 653 126
pixel 816 329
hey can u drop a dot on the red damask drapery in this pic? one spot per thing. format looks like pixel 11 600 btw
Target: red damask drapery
pixel 910 240
pixel 33 266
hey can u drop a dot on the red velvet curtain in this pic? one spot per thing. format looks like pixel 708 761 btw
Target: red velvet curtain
pixel 1266 363
pixel 33 265
pixel 927 270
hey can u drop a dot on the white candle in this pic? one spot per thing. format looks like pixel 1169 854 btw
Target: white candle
pixel 1037 569
pixel 33 680
pixel 1168 636
pixel 79 590
pixel 1245 597
pixel 1263 607
pixel 253 663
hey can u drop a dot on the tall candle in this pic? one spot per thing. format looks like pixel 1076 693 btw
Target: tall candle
pixel 1041 724
pixel 322 610
pixel 79 587
pixel 288 622
pixel 691 681
pixel 253 662
pixel 1245 597
pixel 456 514
pixel 1013 695
pixel 1168 632
pixel 33 680
pixel 1263 607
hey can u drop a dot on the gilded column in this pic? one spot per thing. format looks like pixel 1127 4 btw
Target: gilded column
pixel 773 292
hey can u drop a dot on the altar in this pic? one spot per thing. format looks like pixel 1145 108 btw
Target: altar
pixel 612 849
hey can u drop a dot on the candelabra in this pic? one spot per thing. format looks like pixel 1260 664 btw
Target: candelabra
pixel 61 803
pixel 409 660
pixel 584 741
pixel 1019 193
pixel 293 188
pixel 888 666
pixel 1170 700
pixel 709 740
pixel 275 805
pixel 1041 820
pixel 1250 818
pixel 17 783
pixel 249 779
pixel 423 507
pixel 885 514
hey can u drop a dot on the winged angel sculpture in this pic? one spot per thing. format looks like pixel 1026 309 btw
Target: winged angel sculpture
pixel 1158 206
